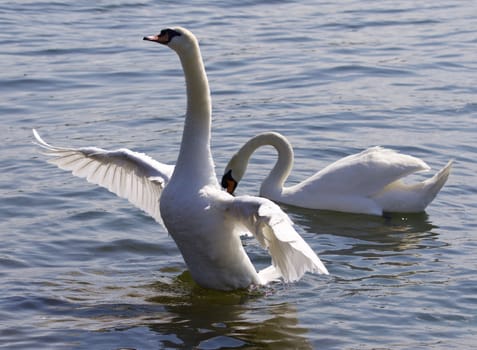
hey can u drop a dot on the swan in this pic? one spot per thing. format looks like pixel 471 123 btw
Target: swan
pixel 205 221
pixel 369 182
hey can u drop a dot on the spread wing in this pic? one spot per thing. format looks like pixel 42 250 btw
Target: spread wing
pixel 291 256
pixel 131 175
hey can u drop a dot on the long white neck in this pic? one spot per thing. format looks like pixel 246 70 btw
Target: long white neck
pixel 195 157
pixel 273 184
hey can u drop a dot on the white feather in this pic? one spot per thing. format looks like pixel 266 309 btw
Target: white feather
pixel 368 182
pixel 291 255
pixel 131 175
pixel 203 220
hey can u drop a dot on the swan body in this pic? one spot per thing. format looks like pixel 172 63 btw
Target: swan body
pixel 369 182
pixel 204 221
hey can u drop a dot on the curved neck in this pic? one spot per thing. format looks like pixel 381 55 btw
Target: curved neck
pixel 195 156
pixel 273 183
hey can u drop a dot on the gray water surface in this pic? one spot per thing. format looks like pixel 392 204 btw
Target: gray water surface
pixel 82 269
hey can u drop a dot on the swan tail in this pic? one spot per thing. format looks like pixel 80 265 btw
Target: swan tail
pixel 399 197
pixel 433 185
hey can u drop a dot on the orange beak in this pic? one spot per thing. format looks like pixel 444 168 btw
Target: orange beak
pixel 228 182
pixel 159 38
pixel 231 184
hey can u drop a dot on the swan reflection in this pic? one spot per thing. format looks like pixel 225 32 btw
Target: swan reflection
pixel 204 319
pixel 369 254
pixel 392 228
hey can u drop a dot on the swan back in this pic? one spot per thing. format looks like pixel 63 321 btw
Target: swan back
pixel 365 173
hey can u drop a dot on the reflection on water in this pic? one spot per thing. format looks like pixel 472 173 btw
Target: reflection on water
pixel 204 319
pixel 394 231
pixel 80 269
pixel 371 254
pixel 370 236
pixel 368 257
pixel 179 313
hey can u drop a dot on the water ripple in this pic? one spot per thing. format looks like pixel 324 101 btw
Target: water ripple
pixel 82 269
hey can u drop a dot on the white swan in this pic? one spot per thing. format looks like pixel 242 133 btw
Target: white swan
pixel 204 221
pixel 366 183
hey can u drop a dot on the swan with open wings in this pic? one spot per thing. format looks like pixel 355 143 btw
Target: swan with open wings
pixel 204 221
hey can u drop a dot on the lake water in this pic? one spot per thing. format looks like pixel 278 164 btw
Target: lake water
pixel 82 269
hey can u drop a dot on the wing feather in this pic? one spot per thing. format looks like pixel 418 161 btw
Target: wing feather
pixel 131 175
pixel 291 256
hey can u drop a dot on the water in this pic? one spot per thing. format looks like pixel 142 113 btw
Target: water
pixel 82 269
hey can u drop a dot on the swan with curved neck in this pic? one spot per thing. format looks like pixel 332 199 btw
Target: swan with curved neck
pixel 204 221
pixel 367 183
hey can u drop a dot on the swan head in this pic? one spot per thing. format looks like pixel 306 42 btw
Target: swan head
pixel 233 173
pixel 228 182
pixel 177 38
